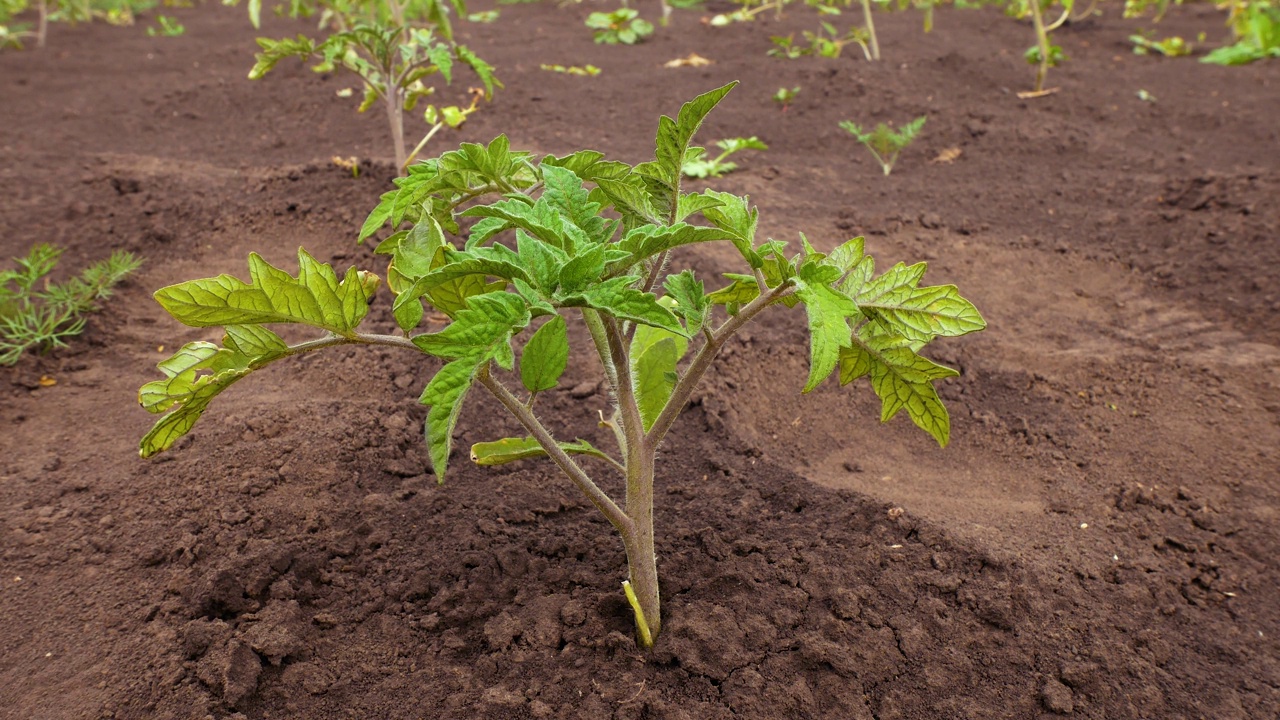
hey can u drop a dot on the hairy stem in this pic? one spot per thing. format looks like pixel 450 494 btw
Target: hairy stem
pixel 642 559
pixel 603 502
pixel 595 326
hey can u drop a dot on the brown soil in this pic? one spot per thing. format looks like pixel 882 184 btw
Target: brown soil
pixel 1100 539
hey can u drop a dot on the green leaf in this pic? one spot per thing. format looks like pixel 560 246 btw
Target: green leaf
pixel 545 356
pixel 630 196
pixel 584 269
pixel 564 192
pixel 316 297
pixel 273 51
pixel 736 216
pixel 655 378
pixel 691 203
pixel 741 291
pixel 444 396
pixel 617 298
pixel 829 312
pixel 542 261
pixel 538 219
pixel 196 374
pixel 649 240
pixel 691 302
pixel 378 217
pixel 900 377
pixel 482 329
pixel 467 265
pixel 674 135
pixel 500 452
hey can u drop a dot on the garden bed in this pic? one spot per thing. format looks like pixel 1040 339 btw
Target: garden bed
pixel 1100 539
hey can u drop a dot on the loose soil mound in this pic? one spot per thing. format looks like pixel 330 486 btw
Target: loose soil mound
pixel 1099 540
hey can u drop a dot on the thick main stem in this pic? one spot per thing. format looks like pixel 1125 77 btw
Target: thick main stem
pixel 642 558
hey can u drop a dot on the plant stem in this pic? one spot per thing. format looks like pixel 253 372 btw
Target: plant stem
pixel 395 116
pixel 603 502
pixel 642 559
pixel 1042 39
pixel 43 31
pixel 871 29
pixel 702 362
pixel 595 326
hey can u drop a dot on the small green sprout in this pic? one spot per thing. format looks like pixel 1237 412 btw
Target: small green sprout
pixel 883 142
pixel 623 25
pixel 785 97
pixel 169 27
pixel 698 165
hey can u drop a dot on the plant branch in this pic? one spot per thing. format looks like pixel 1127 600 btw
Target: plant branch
pixel 603 502
pixel 629 411
pixel 702 362
pixel 595 326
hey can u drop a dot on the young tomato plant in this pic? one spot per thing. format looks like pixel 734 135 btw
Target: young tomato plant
pixel 623 25
pixel 393 58
pixel 587 239
pixel 784 97
pixel 883 142
pixel 698 165
pixel 35 313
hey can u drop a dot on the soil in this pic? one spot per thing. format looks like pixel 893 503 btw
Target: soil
pixel 1100 539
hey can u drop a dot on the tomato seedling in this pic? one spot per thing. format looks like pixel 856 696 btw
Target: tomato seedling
pixel 883 142
pixel 623 25
pixel 393 57
pixel 785 97
pixel 698 165
pixel 584 238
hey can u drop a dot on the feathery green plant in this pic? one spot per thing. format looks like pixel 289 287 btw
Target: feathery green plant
pixel 42 315
pixel 583 238
pixel 883 142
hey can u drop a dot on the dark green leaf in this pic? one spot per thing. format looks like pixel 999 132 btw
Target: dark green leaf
pixel 617 298
pixel 545 356
pixel 655 378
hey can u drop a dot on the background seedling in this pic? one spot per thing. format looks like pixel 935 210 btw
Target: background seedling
pixel 785 97
pixel 585 70
pixel 623 25
pixel 588 239
pixel 393 48
pixel 883 142
pixel 1256 27
pixel 167 27
pixel 698 165
pixel 1173 46
pixel 38 314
